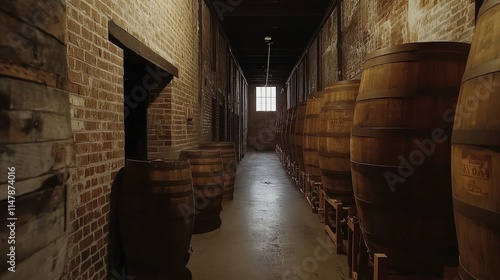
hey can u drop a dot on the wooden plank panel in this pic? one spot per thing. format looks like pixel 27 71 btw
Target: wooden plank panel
pixel 136 46
pixel 32 127
pixel 46 264
pixel 33 160
pixel 39 50
pixel 22 95
pixel 48 15
pixel 40 218
pixel 32 184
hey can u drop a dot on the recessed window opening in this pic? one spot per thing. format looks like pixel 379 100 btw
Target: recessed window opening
pixel 266 99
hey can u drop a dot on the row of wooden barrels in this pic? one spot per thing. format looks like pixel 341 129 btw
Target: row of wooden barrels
pixel 161 203
pixel 416 144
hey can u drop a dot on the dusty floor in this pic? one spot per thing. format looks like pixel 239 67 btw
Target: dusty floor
pixel 267 233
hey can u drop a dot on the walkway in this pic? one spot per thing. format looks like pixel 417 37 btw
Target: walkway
pixel 267 232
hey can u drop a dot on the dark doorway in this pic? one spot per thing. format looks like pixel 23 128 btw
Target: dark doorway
pixel 145 74
pixel 136 99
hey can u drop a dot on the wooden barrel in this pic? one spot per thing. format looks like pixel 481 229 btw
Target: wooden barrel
pixel 291 134
pixel 298 134
pixel 156 216
pixel 475 157
pixel 335 123
pixel 278 134
pixel 283 136
pixel 400 153
pixel 208 184
pixel 228 154
pixel 286 135
pixel 35 140
pixel 310 136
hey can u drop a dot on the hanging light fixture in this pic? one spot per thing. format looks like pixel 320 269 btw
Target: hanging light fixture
pixel 268 41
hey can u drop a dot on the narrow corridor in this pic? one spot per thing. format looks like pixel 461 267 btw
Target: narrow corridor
pixel 267 233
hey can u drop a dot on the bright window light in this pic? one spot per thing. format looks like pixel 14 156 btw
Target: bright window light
pixel 266 99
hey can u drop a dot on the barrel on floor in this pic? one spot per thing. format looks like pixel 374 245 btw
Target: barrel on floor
pixel 156 217
pixel 208 184
pixel 400 154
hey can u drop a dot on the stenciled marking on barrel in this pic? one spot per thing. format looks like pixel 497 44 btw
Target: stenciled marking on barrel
pixel 427 147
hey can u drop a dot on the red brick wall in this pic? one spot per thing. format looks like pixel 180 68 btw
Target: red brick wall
pixel 375 24
pixel 262 125
pixel 328 51
pixel 95 71
pixel 219 67
pixel 208 80
pixel 312 60
pixel 370 25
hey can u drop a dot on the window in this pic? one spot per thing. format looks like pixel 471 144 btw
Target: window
pixel 266 99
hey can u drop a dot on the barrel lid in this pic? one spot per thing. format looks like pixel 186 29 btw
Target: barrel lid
pixel 200 153
pixel 342 83
pixel 416 51
pixel 216 144
pixel 488 5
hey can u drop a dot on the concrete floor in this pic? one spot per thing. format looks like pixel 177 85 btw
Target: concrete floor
pixel 267 233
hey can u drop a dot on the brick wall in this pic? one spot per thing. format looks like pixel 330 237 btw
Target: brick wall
pixel 312 61
pixel 328 51
pixel 223 83
pixel 262 125
pixel 96 70
pixel 374 24
pixel 208 80
pixel 170 28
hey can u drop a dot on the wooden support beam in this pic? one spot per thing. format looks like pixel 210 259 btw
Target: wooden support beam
pixel 125 39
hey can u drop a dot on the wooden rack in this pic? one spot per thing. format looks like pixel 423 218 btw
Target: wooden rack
pixel 311 187
pixel 321 208
pixel 334 231
pixel 303 182
pixel 357 254
pixel 381 272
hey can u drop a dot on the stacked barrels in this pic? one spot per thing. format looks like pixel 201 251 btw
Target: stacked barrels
pixel 475 155
pixel 36 140
pixel 400 154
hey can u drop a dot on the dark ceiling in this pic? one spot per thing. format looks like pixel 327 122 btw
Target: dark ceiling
pixel 290 24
